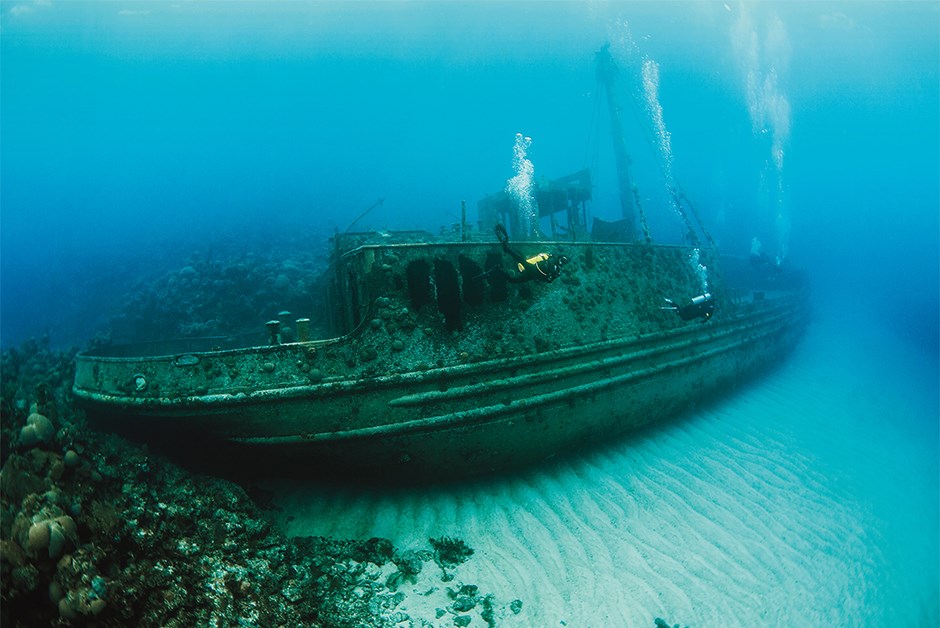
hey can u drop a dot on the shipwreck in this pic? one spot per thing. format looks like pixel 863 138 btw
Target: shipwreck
pixel 437 364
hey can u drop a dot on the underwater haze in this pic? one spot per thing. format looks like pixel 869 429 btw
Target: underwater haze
pixel 140 139
pixel 134 133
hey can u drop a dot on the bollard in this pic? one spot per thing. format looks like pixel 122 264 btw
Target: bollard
pixel 303 329
pixel 274 327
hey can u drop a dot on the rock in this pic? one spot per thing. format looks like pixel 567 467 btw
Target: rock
pixel 464 603
pixel 468 589
pixel 43 426
pixel 462 620
pixel 39 536
pixel 71 459
pixel 56 539
pixel 96 606
pixel 28 437
pixel 67 524
pixel 450 552
pixel 409 561
pixel 38 429
pixel 65 610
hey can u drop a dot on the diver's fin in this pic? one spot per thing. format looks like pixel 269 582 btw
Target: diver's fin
pixel 501 234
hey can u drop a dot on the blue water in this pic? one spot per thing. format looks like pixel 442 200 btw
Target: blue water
pixel 135 134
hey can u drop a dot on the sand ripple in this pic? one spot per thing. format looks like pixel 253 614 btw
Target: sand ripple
pixel 750 511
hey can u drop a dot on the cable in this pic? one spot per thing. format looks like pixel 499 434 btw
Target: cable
pixel 368 209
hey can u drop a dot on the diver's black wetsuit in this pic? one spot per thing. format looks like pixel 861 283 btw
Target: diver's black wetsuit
pixel 702 306
pixel 544 266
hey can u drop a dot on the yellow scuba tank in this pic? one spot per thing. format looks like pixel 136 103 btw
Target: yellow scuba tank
pixel 534 261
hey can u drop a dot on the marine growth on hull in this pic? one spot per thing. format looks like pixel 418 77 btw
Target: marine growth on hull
pixel 438 305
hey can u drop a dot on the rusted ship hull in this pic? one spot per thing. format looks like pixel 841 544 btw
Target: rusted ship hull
pixel 558 404
pixel 305 404
pixel 440 362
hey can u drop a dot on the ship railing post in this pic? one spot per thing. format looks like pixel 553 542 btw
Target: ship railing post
pixel 463 221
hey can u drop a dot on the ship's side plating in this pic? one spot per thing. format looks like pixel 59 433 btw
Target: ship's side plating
pixel 440 363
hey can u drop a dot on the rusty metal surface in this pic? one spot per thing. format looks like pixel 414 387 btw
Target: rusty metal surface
pixel 517 378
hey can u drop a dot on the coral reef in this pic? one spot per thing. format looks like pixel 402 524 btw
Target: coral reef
pixel 95 530
pixel 218 295
pixel 449 552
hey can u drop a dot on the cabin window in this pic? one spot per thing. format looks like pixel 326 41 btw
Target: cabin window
pixel 448 293
pixel 419 284
pixel 471 276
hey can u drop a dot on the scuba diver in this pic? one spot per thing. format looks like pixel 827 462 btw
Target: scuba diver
pixel 544 266
pixel 702 306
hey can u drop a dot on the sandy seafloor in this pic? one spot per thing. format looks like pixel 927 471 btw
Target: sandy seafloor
pixel 806 498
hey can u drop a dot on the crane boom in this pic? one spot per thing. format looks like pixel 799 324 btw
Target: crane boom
pixel 607 74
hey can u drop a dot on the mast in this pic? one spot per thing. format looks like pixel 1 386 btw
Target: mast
pixel 607 73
